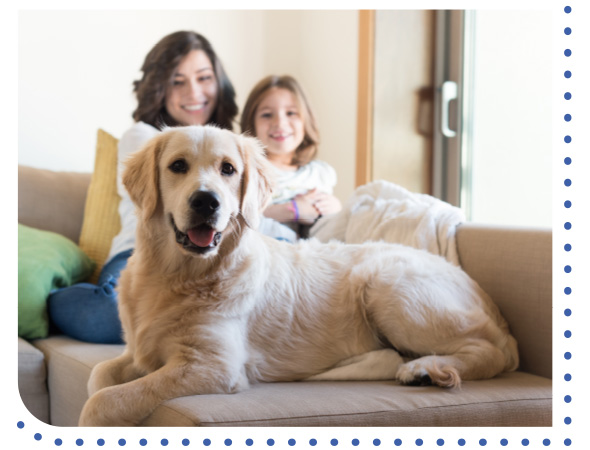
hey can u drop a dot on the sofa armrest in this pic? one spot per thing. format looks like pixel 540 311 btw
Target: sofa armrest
pixel 514 266
pixel 32 380
pixel 52 201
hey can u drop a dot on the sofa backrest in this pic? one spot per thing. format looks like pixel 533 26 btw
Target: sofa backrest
pixel 514 266
pixel 52 201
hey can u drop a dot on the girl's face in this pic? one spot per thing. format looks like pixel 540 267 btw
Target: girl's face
pixel 191 98
pixel 278 123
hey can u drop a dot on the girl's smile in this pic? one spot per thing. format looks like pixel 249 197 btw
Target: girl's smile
pixel 280 137
pixel 279 125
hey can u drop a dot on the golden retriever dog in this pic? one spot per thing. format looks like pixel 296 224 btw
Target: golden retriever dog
pixel 209 305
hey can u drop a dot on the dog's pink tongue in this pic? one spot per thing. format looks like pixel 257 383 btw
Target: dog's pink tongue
pixel 201 236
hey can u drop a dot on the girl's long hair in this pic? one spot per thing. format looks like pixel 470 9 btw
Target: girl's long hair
pixel 307 150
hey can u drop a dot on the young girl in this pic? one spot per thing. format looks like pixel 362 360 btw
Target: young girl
pixel 183 83
pixel 279 115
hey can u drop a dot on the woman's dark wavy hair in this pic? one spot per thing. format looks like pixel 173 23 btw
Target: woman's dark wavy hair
pixel 158 72
pixel 308 148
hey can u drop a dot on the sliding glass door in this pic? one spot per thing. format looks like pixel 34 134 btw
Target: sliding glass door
pixel 461 110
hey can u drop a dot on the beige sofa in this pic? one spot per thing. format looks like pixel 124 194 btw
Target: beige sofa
pixel 512 265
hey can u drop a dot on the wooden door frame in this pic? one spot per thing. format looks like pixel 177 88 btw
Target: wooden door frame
pixel 364 129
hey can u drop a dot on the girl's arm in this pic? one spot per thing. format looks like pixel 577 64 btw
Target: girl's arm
pixel 301 209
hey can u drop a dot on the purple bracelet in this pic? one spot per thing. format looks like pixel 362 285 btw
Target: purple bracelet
pixel 295 209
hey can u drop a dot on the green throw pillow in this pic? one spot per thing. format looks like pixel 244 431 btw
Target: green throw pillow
pixel 46 261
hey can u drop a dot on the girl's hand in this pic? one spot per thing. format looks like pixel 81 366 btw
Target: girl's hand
pixel 314 204
pixel 308 213
pixel 327 204
pixel 310 207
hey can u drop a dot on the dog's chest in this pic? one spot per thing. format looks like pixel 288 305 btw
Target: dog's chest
pixel 196 320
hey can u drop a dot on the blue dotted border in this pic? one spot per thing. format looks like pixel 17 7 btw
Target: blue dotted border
pixel 397 442
pixel 569 207
pixel 334 442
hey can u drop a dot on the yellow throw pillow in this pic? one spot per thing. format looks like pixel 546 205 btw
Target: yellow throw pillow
pixel 101 214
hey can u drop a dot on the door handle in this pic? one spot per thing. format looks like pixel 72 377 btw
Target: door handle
pixel 449 92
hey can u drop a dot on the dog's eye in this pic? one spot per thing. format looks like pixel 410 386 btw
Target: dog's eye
pixel 227 169
pixel 179 166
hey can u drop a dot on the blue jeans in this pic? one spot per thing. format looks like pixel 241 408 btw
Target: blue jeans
pixel 89 312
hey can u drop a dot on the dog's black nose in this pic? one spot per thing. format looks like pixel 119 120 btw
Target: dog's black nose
pixel 205 203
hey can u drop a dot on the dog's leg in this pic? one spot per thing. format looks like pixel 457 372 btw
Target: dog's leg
pixel 130 403
pixel 380 364
pixel 109 373
pixel 478 359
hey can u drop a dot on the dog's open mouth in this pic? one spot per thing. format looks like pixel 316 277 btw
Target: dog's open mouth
pixel 200 239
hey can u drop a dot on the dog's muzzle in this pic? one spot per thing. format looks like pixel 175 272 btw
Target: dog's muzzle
pixel 202 237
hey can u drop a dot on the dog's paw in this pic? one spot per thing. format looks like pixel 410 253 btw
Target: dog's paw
pixel 412 374
pixel 426 371
pixel 100 377
pixel 106 409
pixel 424 380
pixel 241 384
pixel 92 415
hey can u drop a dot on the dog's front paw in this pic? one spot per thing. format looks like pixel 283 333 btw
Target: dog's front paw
pixel 92 413
pixel 102 410
pixel 102 376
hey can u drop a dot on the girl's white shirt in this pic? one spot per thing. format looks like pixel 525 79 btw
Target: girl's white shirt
pixel 315 174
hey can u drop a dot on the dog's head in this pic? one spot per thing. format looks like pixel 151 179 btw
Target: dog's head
pixel 201 182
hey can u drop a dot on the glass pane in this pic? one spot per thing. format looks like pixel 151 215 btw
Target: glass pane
pixel 509 141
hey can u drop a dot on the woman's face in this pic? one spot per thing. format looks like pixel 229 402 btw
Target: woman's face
pixel 278 123
pixel 191 98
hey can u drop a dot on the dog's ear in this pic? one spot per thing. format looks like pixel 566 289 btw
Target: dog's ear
pixel 141 176
pixel 256 182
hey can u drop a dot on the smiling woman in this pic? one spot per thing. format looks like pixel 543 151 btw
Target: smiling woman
pixel 183 83
pixel 192 96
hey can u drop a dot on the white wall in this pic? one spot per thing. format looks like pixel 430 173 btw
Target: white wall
pixel 76 70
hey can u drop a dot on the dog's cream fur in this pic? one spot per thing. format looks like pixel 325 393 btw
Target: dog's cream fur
pixel 255 309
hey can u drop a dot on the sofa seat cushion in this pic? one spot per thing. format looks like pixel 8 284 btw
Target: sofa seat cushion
pixel 69 363
pixel 513 399
pixel 32 383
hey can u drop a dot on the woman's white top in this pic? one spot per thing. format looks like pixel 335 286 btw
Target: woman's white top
pixel 131 141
